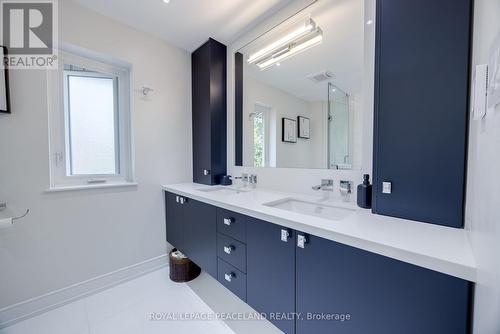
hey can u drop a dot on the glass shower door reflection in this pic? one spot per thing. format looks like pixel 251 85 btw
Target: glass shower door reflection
pixel 338 129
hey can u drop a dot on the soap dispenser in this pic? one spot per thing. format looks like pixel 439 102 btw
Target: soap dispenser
pixel 365 193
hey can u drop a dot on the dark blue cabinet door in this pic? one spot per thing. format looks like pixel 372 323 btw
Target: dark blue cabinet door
pixel 380 294
pixel 271 271
pixel 201 118
pixel 208 73
pixel 200 235
pixel 421 108
pixel 174 221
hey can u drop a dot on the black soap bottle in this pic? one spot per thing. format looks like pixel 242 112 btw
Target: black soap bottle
pixel 365 193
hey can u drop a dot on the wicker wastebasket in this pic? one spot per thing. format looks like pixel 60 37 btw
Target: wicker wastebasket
pixel 182 269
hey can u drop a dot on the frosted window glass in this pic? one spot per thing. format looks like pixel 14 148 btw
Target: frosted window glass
pixel 258 139
pixel 92 138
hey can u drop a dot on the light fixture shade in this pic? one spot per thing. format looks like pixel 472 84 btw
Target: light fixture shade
pixel 296 32
pixel 297 46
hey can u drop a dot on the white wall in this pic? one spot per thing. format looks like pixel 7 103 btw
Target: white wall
pixel 483 184
pixel 319 133
pixel 73 236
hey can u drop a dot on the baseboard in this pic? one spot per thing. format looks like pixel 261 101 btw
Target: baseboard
pixel 29 308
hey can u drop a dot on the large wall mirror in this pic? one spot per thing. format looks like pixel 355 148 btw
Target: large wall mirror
pixel 299 90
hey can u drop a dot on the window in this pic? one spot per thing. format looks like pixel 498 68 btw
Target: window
pixel 261 135
pixel 90 139
pixel 258 140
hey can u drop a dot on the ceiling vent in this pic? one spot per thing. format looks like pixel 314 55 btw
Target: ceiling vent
pixel 321 76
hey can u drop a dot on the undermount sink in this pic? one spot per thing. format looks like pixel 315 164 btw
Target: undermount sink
pixel 317 209
pixel 224 190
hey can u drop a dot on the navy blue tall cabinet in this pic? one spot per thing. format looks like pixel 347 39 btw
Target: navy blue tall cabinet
pixel 421 109
pixel 208 72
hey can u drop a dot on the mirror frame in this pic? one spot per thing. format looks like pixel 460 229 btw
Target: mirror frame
pixel 238 109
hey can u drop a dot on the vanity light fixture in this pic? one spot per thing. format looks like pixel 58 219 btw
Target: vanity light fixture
pixel 294 48
pixel 300 39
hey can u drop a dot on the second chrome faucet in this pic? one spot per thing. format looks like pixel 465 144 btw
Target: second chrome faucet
pixel 326 185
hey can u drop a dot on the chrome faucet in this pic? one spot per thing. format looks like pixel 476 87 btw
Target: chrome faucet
pixel 243 178
pixel 326 185
pixel 252 179
pixel 346 190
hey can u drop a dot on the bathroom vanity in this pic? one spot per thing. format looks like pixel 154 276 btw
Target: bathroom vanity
pixel 380 89
pixel 387 274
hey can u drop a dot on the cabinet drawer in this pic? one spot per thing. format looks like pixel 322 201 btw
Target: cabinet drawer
pixel 232 278
pixel 232 251
pixel 232 224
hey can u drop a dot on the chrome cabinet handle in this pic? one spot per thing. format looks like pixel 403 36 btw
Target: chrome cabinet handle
pixel 177 199
pixel 182 200
pixel 206 172
pixel 229 276
pixel 285 235
pixel 229 249
pixel 301 241
pixel 228 221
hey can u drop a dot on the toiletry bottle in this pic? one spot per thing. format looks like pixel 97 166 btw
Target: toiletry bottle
pixel 365 193
pixel 225 180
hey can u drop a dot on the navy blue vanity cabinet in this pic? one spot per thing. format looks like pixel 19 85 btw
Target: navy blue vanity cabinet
pixel 208 71
pixel 200 235
pixel 174 220
pixel 381 295
pixel 192 228
pixel 232 251
pixel 232 278
pixel 421 109
pixel 271 271
pixel 231 224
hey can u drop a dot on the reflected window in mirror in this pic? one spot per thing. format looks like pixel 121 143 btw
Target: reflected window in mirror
pixel 259 139
pixel 261 120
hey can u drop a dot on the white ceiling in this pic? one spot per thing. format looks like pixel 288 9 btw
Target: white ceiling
pixel 341 52
pixel 188 23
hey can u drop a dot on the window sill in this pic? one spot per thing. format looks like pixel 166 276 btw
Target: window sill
pixel 90 187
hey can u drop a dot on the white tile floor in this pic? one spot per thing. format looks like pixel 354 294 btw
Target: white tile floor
pixel 126 309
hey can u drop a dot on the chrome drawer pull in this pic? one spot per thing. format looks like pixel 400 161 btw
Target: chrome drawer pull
pixel 229 249
pixel 285 235
pixel 229 277
pixel 228 221
pixel 301 241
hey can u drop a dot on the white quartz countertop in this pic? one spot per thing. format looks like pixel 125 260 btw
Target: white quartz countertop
pixel 443 249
